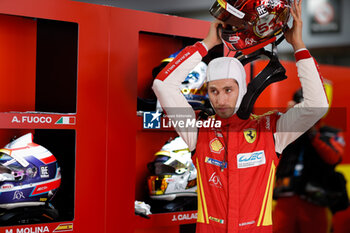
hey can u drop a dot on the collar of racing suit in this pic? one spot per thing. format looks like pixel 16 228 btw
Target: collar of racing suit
pixel 232 120
pixel 226 124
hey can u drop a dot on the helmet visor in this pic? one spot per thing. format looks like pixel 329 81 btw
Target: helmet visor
pixel 158 166
pixel 10 169
pixel 164 165
pixel 157 185
pixel 5 172
pixel 223 15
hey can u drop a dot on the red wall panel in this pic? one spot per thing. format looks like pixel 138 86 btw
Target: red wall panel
pixel 17 68
pixel 92 100
pixel 17 63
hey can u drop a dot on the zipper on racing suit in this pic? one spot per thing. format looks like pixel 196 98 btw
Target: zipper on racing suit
pixel 225 148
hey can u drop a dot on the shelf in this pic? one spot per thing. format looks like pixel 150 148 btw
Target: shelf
pixel 38 120
pixel 166 219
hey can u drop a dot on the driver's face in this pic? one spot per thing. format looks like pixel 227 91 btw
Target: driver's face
pixel 223 96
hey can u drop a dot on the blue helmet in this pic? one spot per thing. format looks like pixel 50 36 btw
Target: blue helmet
pixel 29 174
pixel 193 87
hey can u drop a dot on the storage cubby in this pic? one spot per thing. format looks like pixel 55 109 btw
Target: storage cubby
pixel 39 61
pixel 153 48
pixel 56 66
pixel 38 72
pixel 61 143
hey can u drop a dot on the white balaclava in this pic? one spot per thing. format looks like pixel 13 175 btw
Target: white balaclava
pixel 228 68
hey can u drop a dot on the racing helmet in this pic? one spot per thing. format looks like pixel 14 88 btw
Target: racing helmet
pixel 193 87
pixel 29 174
pixel 173 172
pixel 249 23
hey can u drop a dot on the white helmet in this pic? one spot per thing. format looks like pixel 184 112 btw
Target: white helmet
pixel 173 172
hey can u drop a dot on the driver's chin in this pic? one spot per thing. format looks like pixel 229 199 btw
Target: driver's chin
pixel 225 114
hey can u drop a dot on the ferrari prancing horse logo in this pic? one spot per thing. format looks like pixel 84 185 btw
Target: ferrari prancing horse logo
pixel 249 135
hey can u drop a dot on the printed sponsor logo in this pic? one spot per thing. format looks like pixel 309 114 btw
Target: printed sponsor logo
pixel 268 120
pixel 18 195
pixel 215 162
pixel 215 180
pixel 234 39
pixel 182 217
pixel 44 172
pixel 273 3
pixel 7 186
pixel 262 11
pixel 41 188
pixel 234 11
pixel 216 220
pixel 246 223
pixel 250 41
pixel 245 160
pixel 43 199
pixel 40 229
pixel 216 146
pixel 64 227
pixel 249 135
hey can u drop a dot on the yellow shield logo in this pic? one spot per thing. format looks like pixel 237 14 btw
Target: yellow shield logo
pixel 250 135
pixel 216 146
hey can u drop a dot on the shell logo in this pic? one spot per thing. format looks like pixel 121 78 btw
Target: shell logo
pixel 216 146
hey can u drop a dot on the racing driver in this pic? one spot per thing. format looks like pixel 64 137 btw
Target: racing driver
pixel 236 162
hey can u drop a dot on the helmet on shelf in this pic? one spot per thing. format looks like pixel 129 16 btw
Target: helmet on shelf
pixel 250 23
pixel 173 172
pixel 193 87
pixel 29 174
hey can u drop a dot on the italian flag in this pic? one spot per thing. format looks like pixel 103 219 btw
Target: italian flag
pixel 66 120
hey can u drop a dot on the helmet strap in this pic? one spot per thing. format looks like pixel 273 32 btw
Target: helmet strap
pixel 273 72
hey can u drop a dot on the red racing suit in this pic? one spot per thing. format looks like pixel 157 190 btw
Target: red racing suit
pixel 236 162
pixel 243 189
